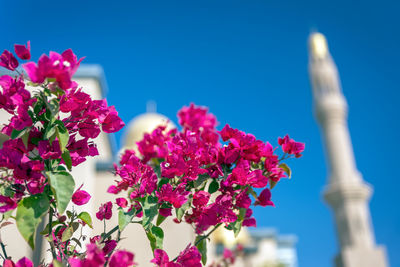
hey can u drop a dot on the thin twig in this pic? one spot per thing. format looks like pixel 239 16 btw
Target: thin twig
pixel 202 238
pixel 53 252
pixel 4 250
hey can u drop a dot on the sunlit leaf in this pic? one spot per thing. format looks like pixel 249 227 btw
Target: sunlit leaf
pixel 67 234
pixel 202 247
pixel 124 218
pixel 85 217
pixel 156 237
pixel 30 211
pixel 286 168
pixel 150 210
pixel 62 184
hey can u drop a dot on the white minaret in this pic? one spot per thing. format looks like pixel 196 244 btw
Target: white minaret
pixel 346 193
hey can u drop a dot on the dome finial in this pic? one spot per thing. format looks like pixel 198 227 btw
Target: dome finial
pixel 151 106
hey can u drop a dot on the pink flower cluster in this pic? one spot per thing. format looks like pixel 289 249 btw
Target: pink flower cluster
pixel 189 257
pixel 96 257
pixel 36 122
pixel 183 169
pixel 87 118
pixel 24 262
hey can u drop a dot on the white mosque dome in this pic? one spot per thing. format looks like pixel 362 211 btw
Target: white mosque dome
pixel 144 123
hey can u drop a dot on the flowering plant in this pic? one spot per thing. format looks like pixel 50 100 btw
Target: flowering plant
pixel 189 174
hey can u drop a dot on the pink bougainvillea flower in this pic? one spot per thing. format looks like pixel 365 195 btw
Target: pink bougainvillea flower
pixel 47 151
pixel 248 220
pixel 105 211
pixel 80 197
pixel 22 51
pixel 122 202
pixel 227 133
pixel 8 61
pixel 113 189
pixel 9 204
pixel 122 258
pixel 165 212
pixel 190 257
pixel 196 118
pixel 161 258
pixel 264 199
pixel 290 146
pixel 243 200
pixel 200 198
pixel 24 262
pixel 229 256
pixel 60 67
pixel 112 123
pixel 8 263
pixel 109 246
pixel 94 258
pixel 176 197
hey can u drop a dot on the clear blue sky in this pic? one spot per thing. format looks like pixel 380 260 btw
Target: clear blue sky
pixel 247 61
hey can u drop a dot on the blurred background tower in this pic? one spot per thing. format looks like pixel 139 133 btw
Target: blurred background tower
pixel 346 193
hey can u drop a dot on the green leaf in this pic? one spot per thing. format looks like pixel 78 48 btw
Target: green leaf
pixel 62 184
pixel 77 241
pixel 67 159
pixel 75 225
pixel 56 263
pixel 156 167
pixel 30 211
pixel 213 187
pixel 202 247
pixel 124 218
pixel 50 132
pixel 160 219
pixel 18 133
pixel 150 210
pixel 53 107
pixel 252 192
pixel 45 231
pixel 286 169
pixel 181 211
pixel 85 216
pixel 23 134
pixel 236 226
pixel 200 180
pixel 25 138
pixel 69 214
pixel 162 182
pixel 242 214
pixel 67 234
pixel 156 237
pixel 7 191
pixel 62 134
pixel 272 184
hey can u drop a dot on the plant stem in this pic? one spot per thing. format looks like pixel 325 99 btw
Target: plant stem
pixel 111 252
pixel 53 252
pixel 109 233
pixel 206 236
pixel 4 250
pixel 203 237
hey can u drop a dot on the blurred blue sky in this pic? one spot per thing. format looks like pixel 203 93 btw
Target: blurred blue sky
pixel 247 61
